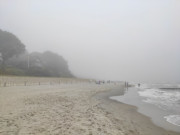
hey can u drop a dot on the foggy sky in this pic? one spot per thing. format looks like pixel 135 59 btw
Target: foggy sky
pixel 133 40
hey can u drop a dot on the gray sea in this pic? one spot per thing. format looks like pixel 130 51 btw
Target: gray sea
pixel 160 102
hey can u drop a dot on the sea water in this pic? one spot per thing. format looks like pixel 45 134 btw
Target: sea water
pixel 161 102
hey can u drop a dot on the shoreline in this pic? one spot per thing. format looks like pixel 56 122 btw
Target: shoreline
pixel 126 117
pixel 78 108
pixel 156 114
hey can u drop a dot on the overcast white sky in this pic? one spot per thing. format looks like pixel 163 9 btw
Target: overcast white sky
pixel 133 40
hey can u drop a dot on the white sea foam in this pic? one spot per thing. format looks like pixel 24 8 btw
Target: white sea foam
pixel 173 119
pixel 163 99
pixel 168 100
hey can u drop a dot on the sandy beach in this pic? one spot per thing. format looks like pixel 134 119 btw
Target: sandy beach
pixel 65 109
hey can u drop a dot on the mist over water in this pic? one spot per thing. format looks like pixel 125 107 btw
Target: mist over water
pixel 119 40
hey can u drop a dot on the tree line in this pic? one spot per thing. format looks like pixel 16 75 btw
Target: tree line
pixel 15 60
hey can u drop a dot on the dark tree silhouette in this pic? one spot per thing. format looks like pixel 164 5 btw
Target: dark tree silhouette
pixel 15 60
pixel 10 46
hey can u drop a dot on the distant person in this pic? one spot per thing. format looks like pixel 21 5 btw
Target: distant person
pixel 139 84
pixel 126 84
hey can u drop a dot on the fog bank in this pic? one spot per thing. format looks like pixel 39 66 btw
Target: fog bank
pixel 102 39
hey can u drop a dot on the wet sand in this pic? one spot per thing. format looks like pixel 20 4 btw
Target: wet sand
pixel 126 118
pixel 131 97
pixel 70 109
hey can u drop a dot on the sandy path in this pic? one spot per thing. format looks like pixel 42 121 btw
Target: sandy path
pixel 54 110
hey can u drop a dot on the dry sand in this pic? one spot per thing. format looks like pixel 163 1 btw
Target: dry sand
pixel 67 109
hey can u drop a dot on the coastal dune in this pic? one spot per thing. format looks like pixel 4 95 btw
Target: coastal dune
pixel 65 109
